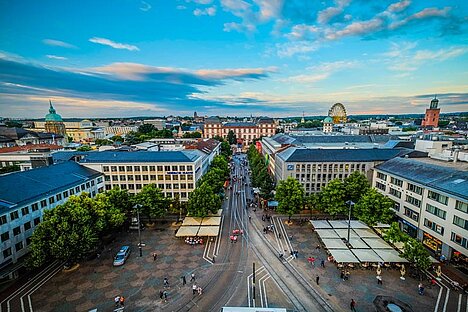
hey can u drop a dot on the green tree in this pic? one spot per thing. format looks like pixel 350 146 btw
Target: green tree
pixel 203 201
pixel 373 207
pixel 394 235
pixel 215 178
pixel 221 163
pixel 356 184
pixel 146 128
pixel 132 138
pixel 312 202
pixel 152 201
pixel 416 253
pixel 117 138
pixel 103 142
pixel 120 199
pixel 290 196
pixel 219 138
pixel 226 150
pixel 231 137
pixel 192 135
pixel 333 198
pixel 84 148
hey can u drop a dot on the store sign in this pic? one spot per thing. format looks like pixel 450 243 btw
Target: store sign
pixel 175 172
pixel 409 224
pixel 290 167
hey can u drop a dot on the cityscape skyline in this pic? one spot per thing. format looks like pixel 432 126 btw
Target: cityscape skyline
pixel 275 58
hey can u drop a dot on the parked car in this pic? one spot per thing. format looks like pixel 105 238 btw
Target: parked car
pixel 122 256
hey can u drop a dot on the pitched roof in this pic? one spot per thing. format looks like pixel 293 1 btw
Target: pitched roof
pixel 141 156
pixel 295 154
pixel 30 147
pixel 446 179
pixel 240 124
pixel 27 186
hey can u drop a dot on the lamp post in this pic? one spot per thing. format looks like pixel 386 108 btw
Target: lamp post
pixel 351 204
pixel 137 208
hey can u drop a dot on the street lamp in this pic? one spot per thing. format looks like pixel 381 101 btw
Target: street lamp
pixel 137 208
pixel 351 204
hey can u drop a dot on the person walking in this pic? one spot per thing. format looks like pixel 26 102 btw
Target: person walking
pixel 184 281
pixel 322 263
pixel 117 301
pixel 342 275
pixel 199 290
pixel 161 294
pixel 379 280
pixel 317 279
pixel 122 301
pixel 165 296
pixel 155 256
pixel 352 305
pixel 166 282
pixel 192 277
pixel 194 289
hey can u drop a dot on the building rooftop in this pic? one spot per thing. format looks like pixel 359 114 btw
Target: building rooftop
pixel 23 187
pixel 141 156
pixel 294 154
pixel 30 148
pixel 240 124
pixel 449 180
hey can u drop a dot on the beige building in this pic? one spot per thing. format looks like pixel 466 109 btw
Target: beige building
pixel 431 202
pixel 245 132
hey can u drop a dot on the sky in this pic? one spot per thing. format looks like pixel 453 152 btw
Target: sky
pixel 125 58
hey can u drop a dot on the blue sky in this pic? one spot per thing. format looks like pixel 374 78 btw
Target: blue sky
pixel 231 57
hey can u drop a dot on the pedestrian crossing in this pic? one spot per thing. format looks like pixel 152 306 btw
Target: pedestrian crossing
pixel 450 297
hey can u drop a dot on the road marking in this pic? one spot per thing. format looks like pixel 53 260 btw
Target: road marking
pixel 459 302
pixel 438 299
pixel 33 290
pixel 446 300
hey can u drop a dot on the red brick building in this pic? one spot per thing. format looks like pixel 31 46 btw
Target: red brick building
pixel 432 115
pixel 246 132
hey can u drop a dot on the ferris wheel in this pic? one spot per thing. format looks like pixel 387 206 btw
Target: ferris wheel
pixel 338 113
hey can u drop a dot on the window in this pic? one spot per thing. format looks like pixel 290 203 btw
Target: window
pixel 461 206
pixel 436 211
pixel 131 186
pixel 27 226
pixel 152 168
pixel 138 186
pixel 17 231
pixel 105 168
pixel 380 186
pixel 107 178
pixel 28 241
pixel 190 177
pixel 58 197
pixel 460 222
pixel 183 194
pixel 137 178
pixel 414 188
pixel 122 178
pixel 87 185
pixel 51 200
pixel 5 236
pixel 182 168
pixel 24 211
pixel 130 178
pixel 19 246
pixel 167 177
pixel 395 193
pixel 190 185
pixel 114 168
pixel 82 187
pixel 43 203
pixel 37 221
pixel 121 168
pixel 129 168
pixel 115 178
pixel 167 168
pixel 99 180
pixel 183 186
pixel 3 219
pixel 434 226
pixel 65 194
pixel 412 214
pixel 175 177
pixel 174 168
pixel 14 215
pixel 72 191
pixel 381 176
pixel 438 197
pixel 460 240
pixel 413 201
pixel 160 168
pixel 168 186
pixel 7 252
pixel 35 207
pixel 396 206
pixel 92 182
pixel 77 189
pixel 396 181
pixel 136 168
pixel 189 168
pixel 153 177
pixel 144 168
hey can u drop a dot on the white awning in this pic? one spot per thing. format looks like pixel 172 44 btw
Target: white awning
pixel 321 224
pixel 343 233
pixel 208 231
pixel 390 255
pixel 367 255
pixel 327 233
pixel 334 243
pixel 356 242
pixel 356 224
pixel 339 224
pixel 377 243
pixel 208 221
pixel 187 231
pixel 191 221
pixel 365 233
pixel 343 255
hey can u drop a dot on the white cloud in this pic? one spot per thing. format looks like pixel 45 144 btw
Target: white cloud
pixel 289 49
pixel 426 13
pixel 58 43
pixel 210 11
pixel 145 6
pixel 181 7
pixel 356 28
pixel 322 71
pixel 113 44
pixel 326 15
pixel 399 6
pixel 55 57
pixel 233 26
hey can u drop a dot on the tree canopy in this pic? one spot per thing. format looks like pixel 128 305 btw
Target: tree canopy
pixel 356 184
pixel 203 201
pixel 192 135
pixel 84 148
pixel 231 137
pixel 373 207
pixel 290 196
pixel 152 201
pixel 416 253
pixel 260 175
pixel 333 198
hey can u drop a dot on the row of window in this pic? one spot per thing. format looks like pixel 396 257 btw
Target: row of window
pixel 329 167
pixel 152 177
pixel 461 206
pixel 411 213
pixel 319 177
pixel 438 197
pixel 381 186
pixel 146 168
pixel 436 211
pixel 413 201
pixel 131 187
pixel 17 230
pixel 395 181
pixel 175 186
pixel 18 246
pixel 460 240
pixel 434 226
pixel 395 193
pixel 460 222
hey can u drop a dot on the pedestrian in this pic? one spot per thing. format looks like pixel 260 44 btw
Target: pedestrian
pixel 279 235
pixel 250 218
pixel 263 217
pixel 155 256
pixel 342 275
pixel 192 277
pixel 122 301
pixel 161 294
pixel 165 296
pixel 214 257
pixel 352 305
pixel 322 263
pixel 199 290
pixel 194 289
pixel 317 279
pixel 379 280
pixel 184 281
pixel 166 282
pixel 296 254
pixel 318 247
pixel 117 301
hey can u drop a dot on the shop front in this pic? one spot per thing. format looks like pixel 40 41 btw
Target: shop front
pixel 460 261
pixel 434 244
pixel 409 229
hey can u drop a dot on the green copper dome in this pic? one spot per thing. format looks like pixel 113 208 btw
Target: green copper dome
pixel 328 120
pixel 52 115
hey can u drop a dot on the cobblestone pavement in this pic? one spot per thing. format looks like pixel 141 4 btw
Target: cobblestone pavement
pixel 362 285
pixel 95 283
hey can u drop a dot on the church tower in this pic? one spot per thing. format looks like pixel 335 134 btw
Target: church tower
pixel 431 119
pixel 54 122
